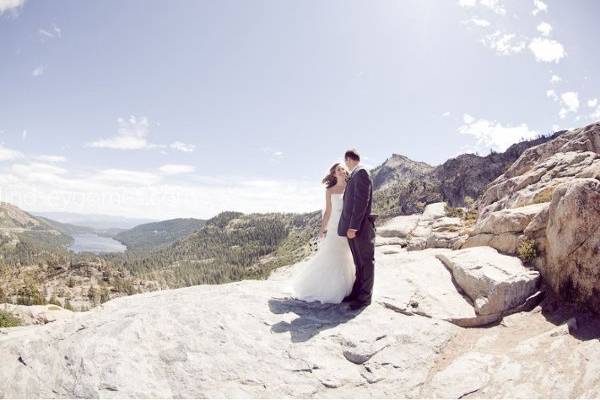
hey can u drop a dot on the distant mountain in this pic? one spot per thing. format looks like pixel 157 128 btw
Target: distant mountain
pixel 100 223
pixel 67 229
pixel 403 186
pixel 157 234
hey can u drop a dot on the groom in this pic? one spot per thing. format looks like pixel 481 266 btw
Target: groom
pixel 358 225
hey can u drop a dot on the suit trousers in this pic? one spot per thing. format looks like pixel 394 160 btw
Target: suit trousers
pixel 363 252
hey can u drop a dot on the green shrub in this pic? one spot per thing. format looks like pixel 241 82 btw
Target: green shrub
pixel 527 250
pixel 543 196
pixel 454 212
pixel 8 320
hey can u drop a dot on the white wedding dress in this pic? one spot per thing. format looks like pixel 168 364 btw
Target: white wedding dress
pixel 328 276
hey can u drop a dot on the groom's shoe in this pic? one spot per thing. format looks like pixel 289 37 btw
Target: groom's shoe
pixel 358 305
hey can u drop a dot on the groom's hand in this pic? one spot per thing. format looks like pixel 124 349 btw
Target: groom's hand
pixel 351 233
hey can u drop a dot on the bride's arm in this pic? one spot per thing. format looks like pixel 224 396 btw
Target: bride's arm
pixel 326 214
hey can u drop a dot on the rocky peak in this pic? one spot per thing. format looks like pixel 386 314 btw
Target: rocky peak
pixel 398 168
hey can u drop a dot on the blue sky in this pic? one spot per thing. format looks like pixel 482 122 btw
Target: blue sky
pixel 159 109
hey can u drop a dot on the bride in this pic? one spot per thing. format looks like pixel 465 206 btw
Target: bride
pixel 329 275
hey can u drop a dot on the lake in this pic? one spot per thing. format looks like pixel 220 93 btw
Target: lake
pixel 90 242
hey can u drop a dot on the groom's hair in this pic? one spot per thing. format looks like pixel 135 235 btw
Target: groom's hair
pixel 352 154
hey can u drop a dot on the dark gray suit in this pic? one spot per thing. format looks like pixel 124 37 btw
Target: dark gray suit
pixel 356 214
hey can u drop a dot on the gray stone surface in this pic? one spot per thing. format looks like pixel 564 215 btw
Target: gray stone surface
pixel 494 282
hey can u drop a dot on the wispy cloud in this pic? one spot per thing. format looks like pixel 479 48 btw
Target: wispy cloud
pixel 538 7
pixel 51 158
pixel 176 169
pixel 133 134
pixel 38 71
pixel 492 135
pixel 555 79
pixel 544 28
pixel 496 6
pixel 480 22
pixel 569 102
pixel 503 43
pixel 45 187
pixel 50 33
pixel 7 154
pixel 183 147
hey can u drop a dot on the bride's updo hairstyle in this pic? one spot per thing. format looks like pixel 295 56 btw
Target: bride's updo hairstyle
pixel 330 180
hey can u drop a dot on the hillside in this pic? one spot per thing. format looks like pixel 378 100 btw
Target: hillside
pixel 405 187
pixel 24 237
pixel 157 234
pixel 228 247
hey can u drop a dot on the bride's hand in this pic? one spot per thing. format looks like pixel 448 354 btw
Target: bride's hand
pixel 322 234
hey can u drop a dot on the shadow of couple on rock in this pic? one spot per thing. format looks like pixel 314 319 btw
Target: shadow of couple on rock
pixel 312 318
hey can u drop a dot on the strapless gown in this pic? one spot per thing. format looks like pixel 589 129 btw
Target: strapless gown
pixel 328 275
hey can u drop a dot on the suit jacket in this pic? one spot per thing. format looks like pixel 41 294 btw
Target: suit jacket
pixel 358 199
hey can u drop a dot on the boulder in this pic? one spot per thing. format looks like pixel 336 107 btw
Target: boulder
pixel 494 282
pixel 399 227
pixel 507 243
pixel 509 219
pixel 572 266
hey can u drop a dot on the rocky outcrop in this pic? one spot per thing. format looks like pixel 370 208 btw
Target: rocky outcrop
pixel 503 229
pixel 247 339
pixel 432 229
pixel 405 187
pixel 572 262
pixel 550 196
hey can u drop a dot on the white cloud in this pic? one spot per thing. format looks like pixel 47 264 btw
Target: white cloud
pixel 467 3
pixel 547 50
pixel 132 135
pixel 7 154
pixel 552 94
pixel 483 23
pixel 38 71
pixel 24 134
pixel 186 148
pixel 446 114
pixel 592 103
pixel 570 100
pixel 503 43
pixel 6 5
pixel 35 172
pixel 51 159
pixel 176 169
pixel 539 6
pixel 142 194
pixel 555 79
pixel 544 28
pixel 493 135
pixel 126 177
pixel 494 5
